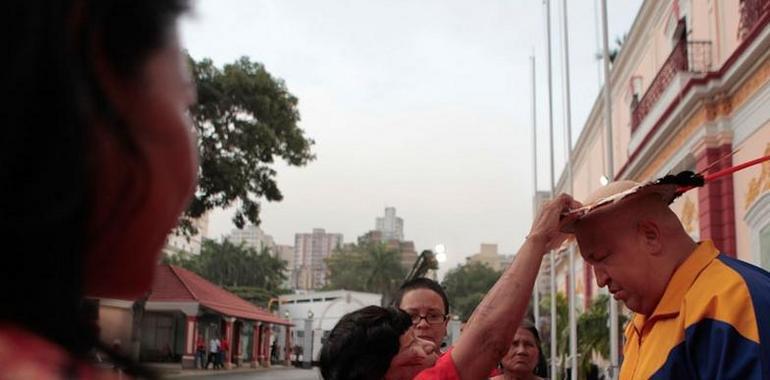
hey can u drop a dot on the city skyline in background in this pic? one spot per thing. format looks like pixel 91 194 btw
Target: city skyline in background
pixel 421 106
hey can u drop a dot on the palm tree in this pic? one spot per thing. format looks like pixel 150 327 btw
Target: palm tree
pixel 593 334
pixel 383 270
pixel 366 267
pixel 562 329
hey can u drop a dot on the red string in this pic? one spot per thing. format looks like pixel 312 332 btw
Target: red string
pixel 730 170
pixel 725 172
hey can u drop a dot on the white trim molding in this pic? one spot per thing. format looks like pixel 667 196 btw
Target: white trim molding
pixel 111 302
pixel 188 308
pixel 758 217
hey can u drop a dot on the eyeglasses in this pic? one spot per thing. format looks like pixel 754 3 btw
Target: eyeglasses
pixel 432 319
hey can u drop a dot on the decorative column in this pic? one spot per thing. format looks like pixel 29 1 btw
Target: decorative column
pixel 256 335
pixel 229 336
pixel 266 345
pixel 288 347
pixel 190 331
pixel 715 199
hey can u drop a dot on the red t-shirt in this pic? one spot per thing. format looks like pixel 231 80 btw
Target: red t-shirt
pixel 443 370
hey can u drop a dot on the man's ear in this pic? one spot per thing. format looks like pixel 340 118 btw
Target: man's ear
pixel 649 233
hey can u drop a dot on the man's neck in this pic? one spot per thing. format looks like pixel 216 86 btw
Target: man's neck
pixel 681 248
pixel 678 249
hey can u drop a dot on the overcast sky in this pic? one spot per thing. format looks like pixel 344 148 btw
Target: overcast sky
pixel 423 105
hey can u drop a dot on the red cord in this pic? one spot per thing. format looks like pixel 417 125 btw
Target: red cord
pixel 730 170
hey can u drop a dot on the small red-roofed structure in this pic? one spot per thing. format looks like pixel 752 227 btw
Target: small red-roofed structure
pixel 183 307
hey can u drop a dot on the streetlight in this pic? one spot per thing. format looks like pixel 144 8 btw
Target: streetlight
pixel 440 250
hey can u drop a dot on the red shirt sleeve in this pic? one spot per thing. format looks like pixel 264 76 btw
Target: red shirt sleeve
pixel 443 370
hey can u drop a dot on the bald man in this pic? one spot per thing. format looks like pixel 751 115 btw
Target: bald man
pixel 699 313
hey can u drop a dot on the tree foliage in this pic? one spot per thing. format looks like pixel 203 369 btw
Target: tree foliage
pixel 593 333
pixel 562 326
pixel 245 118
pixel 255 276
pixel 466 285
pixel 367 267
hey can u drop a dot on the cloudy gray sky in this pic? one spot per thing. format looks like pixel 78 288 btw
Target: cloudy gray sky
pixel 423 105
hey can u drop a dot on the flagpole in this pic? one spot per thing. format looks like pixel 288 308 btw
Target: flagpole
pixel 610 167
pixel 536 296
pixel 568 128
pixel 553 185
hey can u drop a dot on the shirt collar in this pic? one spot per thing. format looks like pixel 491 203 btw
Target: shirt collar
pixel 684 276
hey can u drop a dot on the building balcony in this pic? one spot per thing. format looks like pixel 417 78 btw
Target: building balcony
pixel 752 13
pixel 686 57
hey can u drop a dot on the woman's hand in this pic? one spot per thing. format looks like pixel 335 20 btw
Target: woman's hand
pixel 545 228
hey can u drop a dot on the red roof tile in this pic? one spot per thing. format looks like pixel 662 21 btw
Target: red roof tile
pixel 175 284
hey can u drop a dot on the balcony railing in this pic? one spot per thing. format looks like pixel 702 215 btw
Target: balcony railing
pixel 692 56
pixel 752 12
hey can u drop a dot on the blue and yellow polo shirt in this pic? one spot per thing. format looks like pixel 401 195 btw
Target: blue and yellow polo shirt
pixel 713 322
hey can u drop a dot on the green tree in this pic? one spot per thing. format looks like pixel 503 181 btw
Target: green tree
pixel 466 286
pixel 255 276
pixel 562 327
pixel 593 333
pixel 245 118
pixel 366 267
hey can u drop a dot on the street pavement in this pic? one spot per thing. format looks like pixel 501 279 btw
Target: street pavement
pixel 265 374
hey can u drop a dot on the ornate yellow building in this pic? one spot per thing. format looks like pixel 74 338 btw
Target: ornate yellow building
pixel 690 86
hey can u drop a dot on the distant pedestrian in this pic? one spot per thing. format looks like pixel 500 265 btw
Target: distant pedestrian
pixel 213 353
pixel 200 352
pixel 274 352
pixel 224 348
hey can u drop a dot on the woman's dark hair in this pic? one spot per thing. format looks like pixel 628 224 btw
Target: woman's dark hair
pixel 421 283
pixel 362 344
pixel 47 156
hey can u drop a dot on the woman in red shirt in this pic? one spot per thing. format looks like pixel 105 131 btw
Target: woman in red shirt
pixel 378 343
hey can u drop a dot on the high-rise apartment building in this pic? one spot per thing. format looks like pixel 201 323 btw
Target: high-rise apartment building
pixel 286 253
pixel 406 250
pixel 310 250
pixel 191 245
pixel 253 237
pixel 391 226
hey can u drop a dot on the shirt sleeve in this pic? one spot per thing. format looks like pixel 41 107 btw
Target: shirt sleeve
pixel 443 370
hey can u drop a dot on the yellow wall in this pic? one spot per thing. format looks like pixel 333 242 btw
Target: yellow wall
pixel 754 147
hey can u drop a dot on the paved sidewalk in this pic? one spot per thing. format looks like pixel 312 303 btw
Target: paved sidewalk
pixel 172 371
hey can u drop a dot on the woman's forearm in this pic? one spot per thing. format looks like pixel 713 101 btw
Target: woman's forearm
pixel 490 330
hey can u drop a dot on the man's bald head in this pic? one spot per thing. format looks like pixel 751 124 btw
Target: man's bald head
pixel 634 244
pixel 629 213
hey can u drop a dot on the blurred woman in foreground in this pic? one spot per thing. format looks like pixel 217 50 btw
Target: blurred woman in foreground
pixel 97 162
